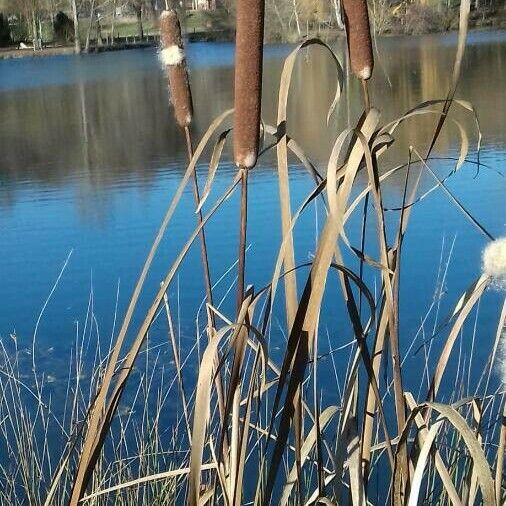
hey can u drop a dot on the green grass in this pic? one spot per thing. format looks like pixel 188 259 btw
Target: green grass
pixel 202 21
pixel 122 28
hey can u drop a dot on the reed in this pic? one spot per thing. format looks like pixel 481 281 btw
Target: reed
pixel 172 56
pixel 179 84
pixel 42 411
pixel 247 107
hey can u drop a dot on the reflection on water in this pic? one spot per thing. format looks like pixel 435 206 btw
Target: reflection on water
pixel 114 119
pixel 90 156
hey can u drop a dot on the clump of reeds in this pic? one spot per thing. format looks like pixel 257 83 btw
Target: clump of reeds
pixel 41 416
pixel 356 20
pixel 248 81
pixel 173 57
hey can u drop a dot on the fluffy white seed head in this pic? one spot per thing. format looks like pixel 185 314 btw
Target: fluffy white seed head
pixel 494 261
pixel 365 73
pixel 249 160
pixel 494 265
pixel 172 55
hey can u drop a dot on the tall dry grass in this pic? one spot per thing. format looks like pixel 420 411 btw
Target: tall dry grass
pixel 265 427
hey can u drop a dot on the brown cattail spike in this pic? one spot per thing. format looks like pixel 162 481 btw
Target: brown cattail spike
pixel 356 20
pixel 248 81
pixel 173 59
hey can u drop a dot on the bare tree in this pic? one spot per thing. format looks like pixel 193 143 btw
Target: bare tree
pixel 88 34
pixel 296 14
pixel 337 10
pixel 75 15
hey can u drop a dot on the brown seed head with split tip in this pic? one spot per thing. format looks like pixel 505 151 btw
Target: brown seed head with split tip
pixel 173 59
pixel 356 19
pixel 248 81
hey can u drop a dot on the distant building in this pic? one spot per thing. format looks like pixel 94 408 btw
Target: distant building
pixel 200 5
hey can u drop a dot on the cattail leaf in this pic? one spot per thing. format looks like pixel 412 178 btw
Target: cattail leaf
pixel 241 466
pixel 325 417
pixel 202 408
pixel 469 299
pixel 476 452
pixel 423 456
pixel 174 473
pixel 100 422
pixel 213 167
pixel 392 126
pixel 388 291
pixel 300 340
pixel 440 465
pixel 499 464
pixel 455 200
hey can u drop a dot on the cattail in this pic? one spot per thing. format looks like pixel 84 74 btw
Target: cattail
pixel 248 81
pixel 356 20
pixel 173 58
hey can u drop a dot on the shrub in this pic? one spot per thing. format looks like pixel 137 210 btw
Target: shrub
pixel 19 31
pixel 63 28
pixel 5 32
pixel 425 19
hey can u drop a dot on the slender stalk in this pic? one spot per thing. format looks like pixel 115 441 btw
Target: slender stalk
pixel 243 223
pixel 202 234
pixel 248 104
pixel 365 95
pixel 177 363
pixel 367 107
pixel 239 352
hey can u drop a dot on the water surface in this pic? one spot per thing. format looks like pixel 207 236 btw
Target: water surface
pixel 90 158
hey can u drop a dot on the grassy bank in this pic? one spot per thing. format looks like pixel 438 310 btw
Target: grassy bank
pixel 219 25
pixel 276 402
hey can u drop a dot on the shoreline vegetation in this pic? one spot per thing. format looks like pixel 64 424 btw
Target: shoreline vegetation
pixel 260 411
pixel 99 34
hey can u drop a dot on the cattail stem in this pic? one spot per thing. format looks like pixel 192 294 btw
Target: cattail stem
pixel 243 224
pixel 367 107
pixel 366 96
pixel 248 103
pixel 202 234
pixel 173 58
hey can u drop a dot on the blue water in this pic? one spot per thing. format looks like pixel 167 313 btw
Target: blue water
pixel 90 158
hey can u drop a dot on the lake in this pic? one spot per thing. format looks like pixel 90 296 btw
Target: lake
pixel 91 156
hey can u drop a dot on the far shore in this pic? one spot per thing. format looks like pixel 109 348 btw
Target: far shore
pixel 124 44
pixel 120 45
